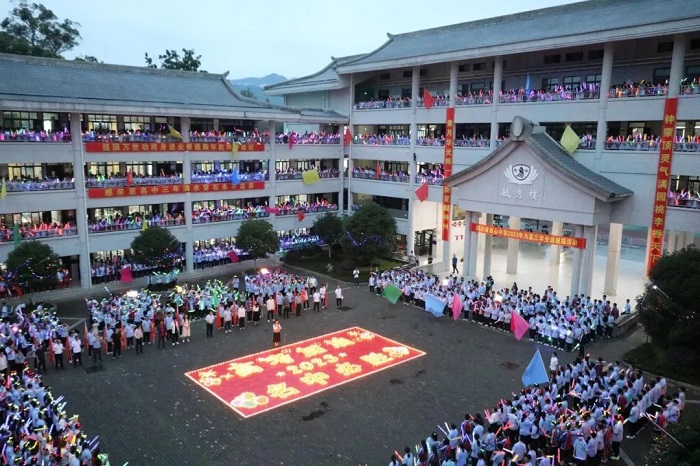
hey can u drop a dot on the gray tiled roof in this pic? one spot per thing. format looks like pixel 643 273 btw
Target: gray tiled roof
pixel 32 79
pixel 327 74
pixel 548 23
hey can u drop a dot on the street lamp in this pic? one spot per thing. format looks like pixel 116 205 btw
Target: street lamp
pixel 654 287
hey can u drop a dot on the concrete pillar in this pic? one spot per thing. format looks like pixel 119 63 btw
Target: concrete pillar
pixel 612 266
pixel 555 256
pixel 216 124
pixel 590 233
pixel 488 243
pixel 576 267
pixel 81 205
pixel 497 78
pixel 454 74
pixel 185 129
pixel 189 244
pixel 646 251
pixel 513 247
pixel 471 245
pixel 680 43
pixel 271 166
pixel 689 238
pixel 605 82
pixel 672 241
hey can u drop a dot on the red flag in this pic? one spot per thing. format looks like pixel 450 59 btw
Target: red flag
pixel 233 256
pixel 218 318
pixel 123 339
pixel 85 330
pixel 457 306
pixel 300 215
pixel 153 329
pixel 272 210
pixel 348 137
pixel 52 357
pixel 67 351
pixel 428 100
pixel 377 169
pixel 129 178
pixel 518 325
pixel 292 140
pixel 422 192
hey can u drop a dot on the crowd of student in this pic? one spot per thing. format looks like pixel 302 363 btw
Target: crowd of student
pixel 578 417
pixel 134 221
pixel 26 183
pixel 164 135
pixel 301 241
pixel 433 176
pixel 369 173
pixel 684 198
pixel 641 142
pixel 109 269
pixel 119 180
pixel 292 208
pixel 36 428
pixel 10 288
pixel 403 140
pixel 224 176
pixel 226 213
pixel 297 174
pixel 217 253
pixel 37 231
pixel 308 137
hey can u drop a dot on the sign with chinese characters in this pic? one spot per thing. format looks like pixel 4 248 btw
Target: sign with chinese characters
pixel 663 175
pixel 171 147
pixel 155 190
pixel 533 237
pixel 447 166
pixel 263 381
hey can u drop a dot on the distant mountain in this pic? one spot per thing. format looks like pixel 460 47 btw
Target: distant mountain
pixel 256 87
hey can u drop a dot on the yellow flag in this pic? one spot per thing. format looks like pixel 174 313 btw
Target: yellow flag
pixel 570 140
pixel 144 225
pixel 234 149
pixel 310 176
pixel 174 133
pixel 3 191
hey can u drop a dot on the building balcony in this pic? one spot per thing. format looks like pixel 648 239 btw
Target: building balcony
pixel 52 200
pixel 36 152
pixel 63 245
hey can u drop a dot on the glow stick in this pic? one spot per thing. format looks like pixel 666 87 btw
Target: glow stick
pixel 398 456
pixel 664 431
pixel 443 430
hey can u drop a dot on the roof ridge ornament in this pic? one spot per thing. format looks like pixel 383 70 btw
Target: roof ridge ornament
pixel 389 35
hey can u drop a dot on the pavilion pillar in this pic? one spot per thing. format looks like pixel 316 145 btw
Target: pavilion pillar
pixel 513 247
pixel 612 266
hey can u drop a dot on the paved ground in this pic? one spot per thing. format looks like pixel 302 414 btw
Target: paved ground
pixel 148 413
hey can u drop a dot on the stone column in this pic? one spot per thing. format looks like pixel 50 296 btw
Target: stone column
pixel 271 167
pixel 612 266
pixel 680 43
pixel 471 247
pixel 81 204
pixel 454 75
pixel 576 267
pixel 605 82
pixel 555 256
pixel 513 247
pixel 488 244
pixel 415 86
pixel 497 78
pixel 672 241
pixel 590 233
pixel 187 178
pixel 689 238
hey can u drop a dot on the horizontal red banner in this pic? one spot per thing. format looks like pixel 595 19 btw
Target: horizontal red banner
pixel 263 381
pixel 97 193
pixel 568 241
pixel 171 147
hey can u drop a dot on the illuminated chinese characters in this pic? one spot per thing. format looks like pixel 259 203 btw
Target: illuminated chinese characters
pixel 98 193
pixel 567 241
pixel 663 175
pixel 256 383
pixel 447 165
pixel 171 147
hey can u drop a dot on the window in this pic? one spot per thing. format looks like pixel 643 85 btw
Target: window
pixel 384 76
pixel 476 87
pixel 595 54
pixel 19 120
pixel 548 83
pixel 407 74
pixel 661 75
pixel 594 78
pixel 692 72
pixel 423 72
pixel 102 123
pixel 664 47
pixel 574 56
pixel 479 66
pixel 464 89
pixel 550 59
pixel 463 68
pixel 572 81
pixel 383 94
pixel 137 123
pixel 503 85
pixel 405 93
pixel 695 43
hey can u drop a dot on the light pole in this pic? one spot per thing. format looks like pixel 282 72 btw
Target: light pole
pixel 656 288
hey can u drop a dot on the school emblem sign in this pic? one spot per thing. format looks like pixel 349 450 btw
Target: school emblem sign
pixel 521 174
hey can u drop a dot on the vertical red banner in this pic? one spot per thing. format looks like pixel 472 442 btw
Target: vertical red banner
pixel 663 176
pixel 447 165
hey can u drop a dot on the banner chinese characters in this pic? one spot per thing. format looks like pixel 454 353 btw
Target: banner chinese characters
pixel 447 165
pixel 663 176
pixel 155 190
pixel 567 241
pixel 171 147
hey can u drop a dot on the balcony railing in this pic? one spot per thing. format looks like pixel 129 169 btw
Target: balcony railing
pixel 310 140
pixel 285 210
pixel 107 226
pixel 431 180
pixel 684 200
pixel 548 96
pixel 372 175
pixel 38 232
pixel 214 217
pixel 46 185
pixel 323 174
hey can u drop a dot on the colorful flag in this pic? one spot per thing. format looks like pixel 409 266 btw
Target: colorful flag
pixel 422 192
pixel 234 149
pixel 428 100
pixel 129 178
pixel 235 179
pixel 434 305
pixel 310 176
pixel 233 256
pixel 570 140
pixel 392 293
pixel 535 372
pixel 144 224
pixel 272 210
pixel 218 318
pixel 174 133
pixel 377 170
pixel 518 325
pixel 3 190
pixel 16 236
pixel 527 84
pixel 125 275
pixel 301 215
pixel 457 306
pixel 52 356
pixel 85 331
pixel 292 140
pixel 348 137
pixel 67 351
pixel 215 298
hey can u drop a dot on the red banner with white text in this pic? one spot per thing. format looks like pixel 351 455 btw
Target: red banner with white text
pixel 447 165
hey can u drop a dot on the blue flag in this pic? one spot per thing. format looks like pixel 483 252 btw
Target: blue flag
pixel 434 305
pixel 535 372
pixel 527 84
pixel 235 180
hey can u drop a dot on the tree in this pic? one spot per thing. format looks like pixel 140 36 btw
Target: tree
pixel 667 309
pixel 369 233
pixel 248 92
pixel 172 60
pixel 33 29
pixel 258 238
pixel 33 264
pixel 88 58
pixel 666 452
pixel 155 246
pixel 329 228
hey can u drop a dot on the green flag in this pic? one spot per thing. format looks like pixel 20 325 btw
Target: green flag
pixel 215 298
pixel 392 293
pixel 16 237
pixel 570 140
